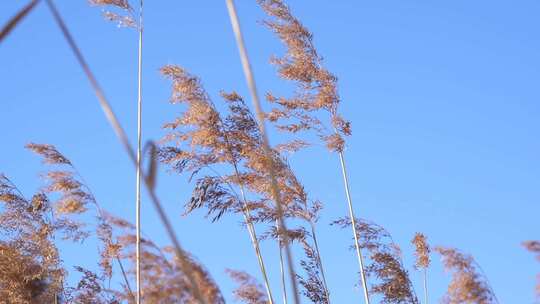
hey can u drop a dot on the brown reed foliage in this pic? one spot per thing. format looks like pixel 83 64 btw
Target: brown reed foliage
pixel 164 279
pixel 534 247
pixel 248 290
pixel 121 13
pixel 390 279
pixel 208 141
pixel 30 270
pixel 422 251
pixel 74 197
pixel 203 142
pixel 316 86
pixel 39 275
pixel 468 284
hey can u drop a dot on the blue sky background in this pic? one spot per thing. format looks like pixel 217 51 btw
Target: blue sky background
pixel 443 97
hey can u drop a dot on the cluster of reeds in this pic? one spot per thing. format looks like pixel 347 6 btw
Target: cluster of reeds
pixel 236 172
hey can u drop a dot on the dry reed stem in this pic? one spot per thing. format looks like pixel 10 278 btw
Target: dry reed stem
pixel 266 146
pixel 127 147
pixel 14 21
pixel 139 154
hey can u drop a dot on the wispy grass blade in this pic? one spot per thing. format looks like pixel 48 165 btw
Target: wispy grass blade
pixel 182 257
pixel 14 21
pixel 266 146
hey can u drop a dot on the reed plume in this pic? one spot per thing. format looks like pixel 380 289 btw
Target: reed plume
pixel 117 11
pixel 248 290
pixel 74 198
pixel 39 221
pixel 316 90
pixel 389 278
pixel 422 251
pixel 30 266
pixel 468 284
pixel 534 247
pixel 203 141
pixel 209 141
pixel 165 279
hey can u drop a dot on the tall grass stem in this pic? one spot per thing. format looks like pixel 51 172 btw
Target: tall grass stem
pixel 139 155
pixel 425 287
pixel 353 224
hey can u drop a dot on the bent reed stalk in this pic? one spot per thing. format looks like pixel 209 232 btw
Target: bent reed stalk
pixel 117 127
pixel 14 21
pixel 235 23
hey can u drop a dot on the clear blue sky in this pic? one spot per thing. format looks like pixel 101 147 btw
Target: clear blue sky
pixel 443 97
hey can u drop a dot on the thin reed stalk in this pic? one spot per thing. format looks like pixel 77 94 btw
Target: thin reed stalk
pixel 425 287
pixel 253 236
pixel 281 266
pixel 14 21
pixel 353 225
pixel 123 271
pixel 319 259
pixel 117 127
pixel 266 146
pixel 247 216
pixel 139 155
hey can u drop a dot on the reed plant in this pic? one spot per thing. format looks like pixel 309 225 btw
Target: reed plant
pixel 234 170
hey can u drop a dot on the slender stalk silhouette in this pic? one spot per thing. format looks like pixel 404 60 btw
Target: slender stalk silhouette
pixel 14 21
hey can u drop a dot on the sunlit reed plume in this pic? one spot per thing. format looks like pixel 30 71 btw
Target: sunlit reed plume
pixel 468 284
pixel 389 278
pixel 248 290
pixel 74 198
pixel 201 141
pixel 422 251
pixel 316 91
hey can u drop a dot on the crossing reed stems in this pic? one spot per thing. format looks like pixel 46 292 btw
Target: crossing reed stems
pixel 266 146
pixel 120 133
